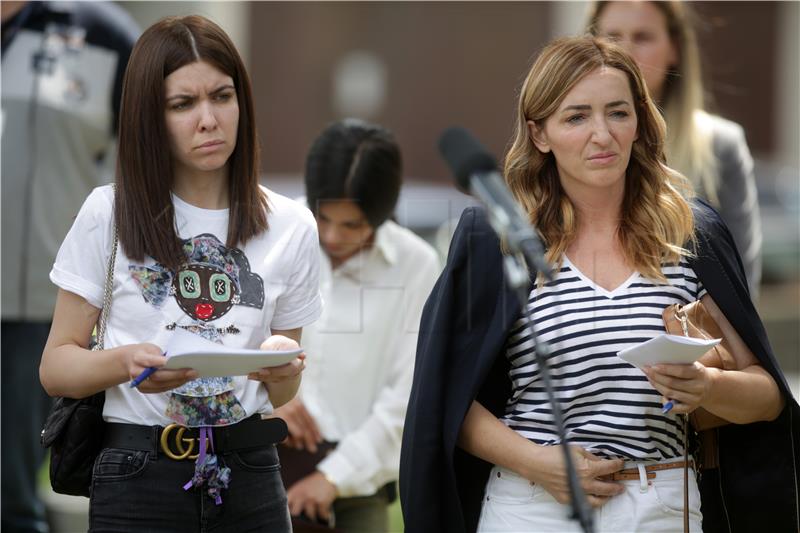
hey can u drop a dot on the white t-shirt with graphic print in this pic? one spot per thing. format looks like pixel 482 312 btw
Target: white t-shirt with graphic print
pixel 233 296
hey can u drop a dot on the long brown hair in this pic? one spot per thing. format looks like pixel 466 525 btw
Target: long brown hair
pixel 144 214
pixel 689 142
pixel 656 219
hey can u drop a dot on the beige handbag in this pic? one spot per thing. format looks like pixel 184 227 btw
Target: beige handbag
pixel 694 320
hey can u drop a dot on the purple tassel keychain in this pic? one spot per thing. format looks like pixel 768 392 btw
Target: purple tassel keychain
pixel 207 470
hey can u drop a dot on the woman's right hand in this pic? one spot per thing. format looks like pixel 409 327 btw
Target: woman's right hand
pixel 549 471
pixel 485 436
pixel 139 357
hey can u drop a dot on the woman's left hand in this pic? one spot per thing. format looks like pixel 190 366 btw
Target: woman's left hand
pixel 277 374
pixel 686 385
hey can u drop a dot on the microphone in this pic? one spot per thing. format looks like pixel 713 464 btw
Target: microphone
pixel 476 173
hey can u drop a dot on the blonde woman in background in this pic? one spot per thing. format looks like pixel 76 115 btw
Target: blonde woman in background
pixel 708 149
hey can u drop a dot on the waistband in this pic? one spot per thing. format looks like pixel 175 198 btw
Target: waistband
pixel 630 472
pixel 179 442
pixel 635 470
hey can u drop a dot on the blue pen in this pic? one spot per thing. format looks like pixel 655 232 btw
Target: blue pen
pixel 667 407
pixel 143 376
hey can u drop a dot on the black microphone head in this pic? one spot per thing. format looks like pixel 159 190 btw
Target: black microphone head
pixel 464 155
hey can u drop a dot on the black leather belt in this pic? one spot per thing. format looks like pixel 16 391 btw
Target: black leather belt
pixel 178 442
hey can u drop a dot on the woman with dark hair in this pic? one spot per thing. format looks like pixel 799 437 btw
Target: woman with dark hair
pixel 204 250
pixel 358 162
pixel 345 425
pixel 480 449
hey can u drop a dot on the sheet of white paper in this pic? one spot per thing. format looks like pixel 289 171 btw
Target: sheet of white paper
pixel 187 350
pixel 668 349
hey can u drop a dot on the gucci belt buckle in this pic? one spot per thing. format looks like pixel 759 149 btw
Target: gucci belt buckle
pixel 179 447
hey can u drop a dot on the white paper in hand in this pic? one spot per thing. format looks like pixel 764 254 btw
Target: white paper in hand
pixel 667 349
pixel 187 350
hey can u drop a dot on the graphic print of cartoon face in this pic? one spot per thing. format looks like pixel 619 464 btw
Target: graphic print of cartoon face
pixel 213 279
pixel 204 292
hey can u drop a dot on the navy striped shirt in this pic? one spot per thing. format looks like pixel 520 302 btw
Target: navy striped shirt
pixel 609 406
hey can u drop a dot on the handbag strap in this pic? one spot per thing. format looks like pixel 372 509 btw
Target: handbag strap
pixel 107 290
pixel 673 316
pixel 685 473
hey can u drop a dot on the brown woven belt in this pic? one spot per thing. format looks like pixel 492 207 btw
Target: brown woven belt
pixel 630 474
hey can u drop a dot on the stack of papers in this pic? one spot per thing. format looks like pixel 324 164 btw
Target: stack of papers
pixel 187 350
pixel 667 349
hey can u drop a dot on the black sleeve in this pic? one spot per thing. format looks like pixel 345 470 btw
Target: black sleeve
pixel 463 329
pixel 422 460
pixel 721 271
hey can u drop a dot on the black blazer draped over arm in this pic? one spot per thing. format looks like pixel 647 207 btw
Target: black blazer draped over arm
pixel 464 326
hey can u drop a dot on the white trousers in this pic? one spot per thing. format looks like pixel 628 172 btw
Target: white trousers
pixel 514 504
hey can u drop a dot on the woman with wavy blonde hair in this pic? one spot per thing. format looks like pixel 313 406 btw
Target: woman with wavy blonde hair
pixel 655 221
pixel 708 149
pixel 480 448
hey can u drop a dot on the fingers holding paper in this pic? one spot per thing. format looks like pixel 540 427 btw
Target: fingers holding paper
pixel 141 357
pixel 282 381
pixel 687 385
pixel 287 372
pixel 278 374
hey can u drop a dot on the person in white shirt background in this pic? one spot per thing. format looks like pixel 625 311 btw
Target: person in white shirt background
pixel 375 277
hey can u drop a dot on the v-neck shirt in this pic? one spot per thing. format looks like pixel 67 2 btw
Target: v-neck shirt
pixel 609 293
pixel 609 406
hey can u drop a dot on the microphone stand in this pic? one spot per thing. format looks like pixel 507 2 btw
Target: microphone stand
pixel 517 277
pixel 511 224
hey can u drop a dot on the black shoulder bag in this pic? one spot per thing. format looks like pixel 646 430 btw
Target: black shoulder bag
pixel 74 428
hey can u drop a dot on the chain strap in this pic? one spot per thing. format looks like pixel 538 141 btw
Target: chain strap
pixel 107 290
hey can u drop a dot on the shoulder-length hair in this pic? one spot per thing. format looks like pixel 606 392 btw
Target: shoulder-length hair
pixel 352 159
pixel 689 142
pixel 656 221
pixel 144 213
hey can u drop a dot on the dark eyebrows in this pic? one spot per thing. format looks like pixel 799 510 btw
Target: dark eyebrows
pixel 348 223
pixel 355 223
pixel 223 88
pixel 577 107
pixel 192 97
pixel 180 97
pixel 587 107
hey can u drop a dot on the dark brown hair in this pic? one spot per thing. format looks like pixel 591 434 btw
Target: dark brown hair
pixel 357 161
pixel 144 214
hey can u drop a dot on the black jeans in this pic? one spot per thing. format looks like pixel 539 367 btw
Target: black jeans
pixel 143 492
pixel 24 408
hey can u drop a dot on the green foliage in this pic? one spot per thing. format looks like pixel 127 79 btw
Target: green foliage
pixel 395 518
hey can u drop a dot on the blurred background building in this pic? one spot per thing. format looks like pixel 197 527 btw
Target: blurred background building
pixel 420 67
